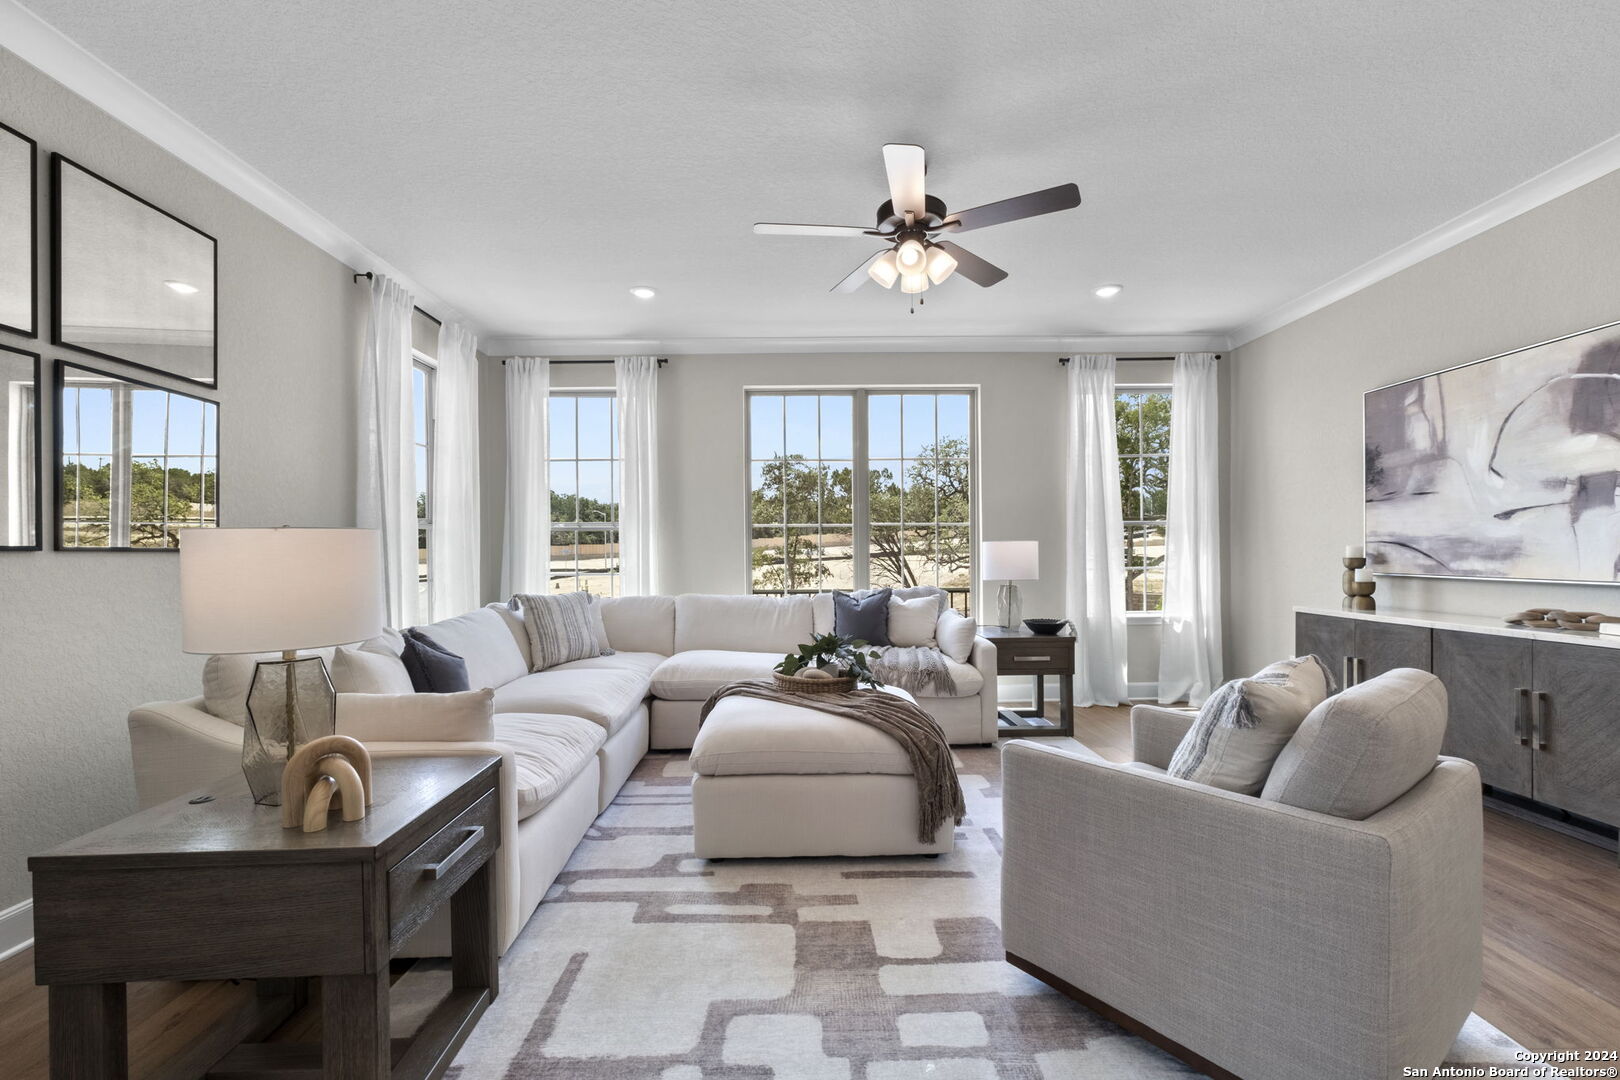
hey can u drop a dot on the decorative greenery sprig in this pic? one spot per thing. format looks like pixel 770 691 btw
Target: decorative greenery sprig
pixel 844 656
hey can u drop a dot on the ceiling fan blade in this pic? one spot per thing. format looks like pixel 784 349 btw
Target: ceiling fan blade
pixel 972 267
pixel 775 228
pixel 858 276
pixel 1036 203
pixel 905 165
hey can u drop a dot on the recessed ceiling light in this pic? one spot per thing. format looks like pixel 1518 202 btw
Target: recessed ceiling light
pixel 643 292
pixel 181 287
pixel 1108 292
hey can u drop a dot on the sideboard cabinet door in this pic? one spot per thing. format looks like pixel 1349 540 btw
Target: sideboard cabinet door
pixel 1381 647
pixel 1488 684
pixel 1578 768
pixel 1329 637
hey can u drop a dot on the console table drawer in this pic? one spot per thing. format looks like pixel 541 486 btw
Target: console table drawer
pixel 1048 656
pixel 428 876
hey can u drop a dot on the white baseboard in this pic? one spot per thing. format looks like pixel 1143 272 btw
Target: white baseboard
pixel 16 929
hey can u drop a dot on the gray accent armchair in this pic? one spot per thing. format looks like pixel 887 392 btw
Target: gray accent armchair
pixel 1247 936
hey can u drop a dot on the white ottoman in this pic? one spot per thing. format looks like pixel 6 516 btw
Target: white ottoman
pixel 774 780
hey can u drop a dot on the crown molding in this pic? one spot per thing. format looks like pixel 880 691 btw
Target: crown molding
pixel 41 45
pixel 1160 344
pixel 1561 179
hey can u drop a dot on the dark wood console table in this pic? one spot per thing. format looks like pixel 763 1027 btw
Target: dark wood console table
pixel 1023 652
pixel 210 886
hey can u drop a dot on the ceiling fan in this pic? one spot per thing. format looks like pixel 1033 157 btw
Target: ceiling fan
pixel 911 222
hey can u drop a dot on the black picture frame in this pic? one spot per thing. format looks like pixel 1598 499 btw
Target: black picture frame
pixel 60 384
pixel 39 474
pixel 58 161
pixel 32 329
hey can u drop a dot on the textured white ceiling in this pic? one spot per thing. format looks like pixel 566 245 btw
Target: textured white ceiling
pixel 530 162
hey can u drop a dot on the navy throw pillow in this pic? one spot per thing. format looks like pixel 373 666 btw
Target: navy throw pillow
pixel 433 668
pixel 864 617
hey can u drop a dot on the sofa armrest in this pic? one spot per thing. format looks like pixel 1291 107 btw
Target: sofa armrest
pixel 1156 732
pixel 175 747
pixel 983 658
pixel 1209 915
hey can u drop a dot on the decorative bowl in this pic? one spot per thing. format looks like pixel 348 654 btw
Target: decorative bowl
pixel 1046 627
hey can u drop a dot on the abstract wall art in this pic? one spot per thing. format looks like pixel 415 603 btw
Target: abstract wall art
pixel 1508 467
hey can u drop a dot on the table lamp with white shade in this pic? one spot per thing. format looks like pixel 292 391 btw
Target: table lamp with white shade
pixel 1010 561
pixel 279 591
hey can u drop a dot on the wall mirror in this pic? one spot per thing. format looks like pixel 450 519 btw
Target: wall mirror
pixel 135 463
pixel 19 246
pixel 133 282
pixel 19 452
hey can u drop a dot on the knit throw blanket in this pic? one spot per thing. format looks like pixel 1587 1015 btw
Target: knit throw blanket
pixel 917 670
pixel 939 794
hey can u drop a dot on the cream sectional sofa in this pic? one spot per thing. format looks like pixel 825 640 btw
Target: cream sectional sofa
pixel 568 736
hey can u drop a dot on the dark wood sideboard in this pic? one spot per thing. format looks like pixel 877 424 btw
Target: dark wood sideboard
pixel 1537 711
pixel 210 886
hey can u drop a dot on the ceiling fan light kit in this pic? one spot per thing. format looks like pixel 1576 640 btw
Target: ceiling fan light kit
pixel 910 220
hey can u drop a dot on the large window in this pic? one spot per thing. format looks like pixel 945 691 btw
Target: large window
pixel 584 464
pixel 423 375
pixel 814 528
pixel 1142 419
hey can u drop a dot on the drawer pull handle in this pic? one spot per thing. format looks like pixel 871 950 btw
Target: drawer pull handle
pixel 1032 659
pixel 440 869
pixel 1521 717
pixel 1538 718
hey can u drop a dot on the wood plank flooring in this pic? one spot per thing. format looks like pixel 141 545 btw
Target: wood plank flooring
pixel 1552 951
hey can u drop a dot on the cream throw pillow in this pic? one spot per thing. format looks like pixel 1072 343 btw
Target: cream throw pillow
pixel 911 622
pixel 468 716
pixel 955 633
pixel 358 671
pixel 1246 723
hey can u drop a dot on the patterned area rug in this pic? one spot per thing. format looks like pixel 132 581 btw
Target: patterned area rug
pixel 645 963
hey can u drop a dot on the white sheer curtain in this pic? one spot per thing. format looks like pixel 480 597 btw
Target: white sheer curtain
pixel 526 558
pixel 637 381
pixel 385 485
pixel 1190 647
pixel 1096 535
pixel 454 548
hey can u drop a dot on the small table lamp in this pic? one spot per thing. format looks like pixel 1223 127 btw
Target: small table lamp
pixel 1010 561
pixel 280 590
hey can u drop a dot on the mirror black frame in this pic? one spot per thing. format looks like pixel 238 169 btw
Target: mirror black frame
pixel 32 329
pixel 39 476
pixel 57 161
pixel 60 384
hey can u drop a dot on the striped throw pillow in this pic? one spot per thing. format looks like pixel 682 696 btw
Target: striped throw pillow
pixel 561 627
pixel 1246 723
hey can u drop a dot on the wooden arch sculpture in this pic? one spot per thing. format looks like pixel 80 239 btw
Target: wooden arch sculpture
pixel 329 773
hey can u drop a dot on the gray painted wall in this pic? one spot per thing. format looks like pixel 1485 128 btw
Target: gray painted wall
pixel 1294 399
pixel 704 475
pixel 84 636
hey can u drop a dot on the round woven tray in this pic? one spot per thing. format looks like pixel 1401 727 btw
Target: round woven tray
pixel 799 685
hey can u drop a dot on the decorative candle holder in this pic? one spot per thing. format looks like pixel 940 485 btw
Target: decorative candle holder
pixel 1358 595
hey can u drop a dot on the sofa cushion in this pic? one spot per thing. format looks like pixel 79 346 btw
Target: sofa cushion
pixel 1245 724
pixel 954 634
pixel 360 671
pixel 694 675
pixel 549 751
pixel 912 622
pixel 1362 749
pixel 638 663
pixel 778 624
pixel 462 717
pixel 603 695
pixel 227 677
pixel 484 641
pixel 433 668
pixel 643 624
pixel 748 736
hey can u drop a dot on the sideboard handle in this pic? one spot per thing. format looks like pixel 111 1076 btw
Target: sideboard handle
pixel 440 869
pixel 1348 672
pixel 1521 716
pixel 1032 659
pixel 1543 705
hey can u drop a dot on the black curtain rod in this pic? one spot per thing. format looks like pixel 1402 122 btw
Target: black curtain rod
pixel 1063 361
pixel 435 320
pixel 662 360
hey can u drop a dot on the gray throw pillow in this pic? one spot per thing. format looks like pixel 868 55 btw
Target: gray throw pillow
pixel 561 628
pixel 433 668
pixel 1245 724
pixel 862 616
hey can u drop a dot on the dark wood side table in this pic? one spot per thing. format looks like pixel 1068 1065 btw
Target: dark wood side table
pixel 210 886
pixel 1020 652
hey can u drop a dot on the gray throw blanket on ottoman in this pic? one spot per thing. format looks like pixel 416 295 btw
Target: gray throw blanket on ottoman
pixel 939 793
